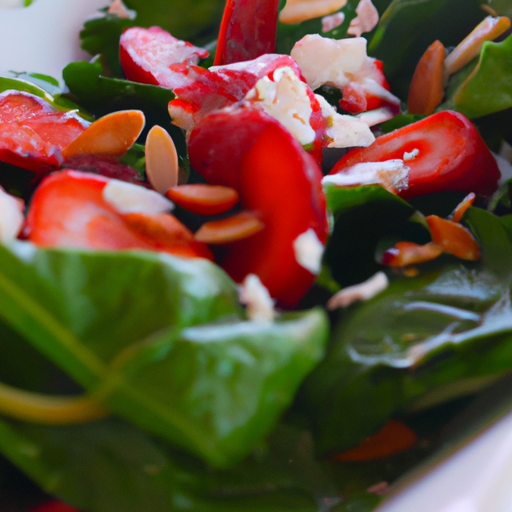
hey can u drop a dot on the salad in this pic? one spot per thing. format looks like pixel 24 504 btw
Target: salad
pixel 254 256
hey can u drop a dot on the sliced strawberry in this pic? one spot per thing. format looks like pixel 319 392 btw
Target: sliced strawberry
pixel 201 91
pixel 147 53
pixel 443 151
pixel 72 209
pixel 33 133
pixel 277 180
pixel 248 30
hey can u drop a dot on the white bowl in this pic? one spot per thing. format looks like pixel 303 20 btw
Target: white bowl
pixel 43 37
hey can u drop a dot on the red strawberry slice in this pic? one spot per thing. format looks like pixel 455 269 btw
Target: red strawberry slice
pixel 278 181
pixel 71 209
pixel 444 151
pixel 33 133
pixel 147 53
pixel 248 30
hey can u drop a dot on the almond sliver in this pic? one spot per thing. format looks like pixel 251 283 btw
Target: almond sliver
pixel 161 160
pixel 230 229
pixel 113 134
pixel 203 198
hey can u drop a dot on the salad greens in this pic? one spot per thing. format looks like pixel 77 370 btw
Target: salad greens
pixel 157 389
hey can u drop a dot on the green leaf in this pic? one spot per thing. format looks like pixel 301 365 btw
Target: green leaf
pixel 162 340
pixel 230 381
pixel 101 34
pixel 90 467
pixel 422 342
pixel 487 85
pixel 408 27
pixel 364 215
pixel 178 17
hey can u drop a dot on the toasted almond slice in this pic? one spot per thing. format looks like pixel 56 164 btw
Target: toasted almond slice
pixel 202 198
pixel 230 229
pixel 296 11
pixel 113 134
pixel 404 254
pixel 453 238
pixel 462 207
pixel 426 90
pixel 487 30
pixel 161 160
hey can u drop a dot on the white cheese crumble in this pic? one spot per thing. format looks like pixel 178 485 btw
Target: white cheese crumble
pixel 411 155
pixel 325 61
pixel 344 131
pixel 366 19
pixel 256 298
pixel 129 198
pixel 391 174
pixel 11 216
pixel 285 98
pixel 376 116
pixel 309 251
pixel 359 292
pixel 332 21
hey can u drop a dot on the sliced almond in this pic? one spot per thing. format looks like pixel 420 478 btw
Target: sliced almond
pixel 453 238
pixel 462 207
pixel 113 134
pixel 203 198
pixel 161 160
pixel 487 30
pixel 404 254
pixel 230 229
pixel 426 90
pixel 296 11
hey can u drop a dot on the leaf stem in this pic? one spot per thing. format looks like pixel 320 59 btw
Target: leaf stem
pixel 48 409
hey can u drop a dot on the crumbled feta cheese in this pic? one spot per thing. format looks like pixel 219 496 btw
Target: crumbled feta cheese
pixel 296 11
pixel 359 292
pixel 376 116
pixel 411 155
pixel 255 296
pixel 366 19
pixel 332 21
pixel 391 174
pixel 285 98
pixel 329 61
pixel 344 131
pixel 128 198
pixel 11 216
pixel 370 86
pixel 309 251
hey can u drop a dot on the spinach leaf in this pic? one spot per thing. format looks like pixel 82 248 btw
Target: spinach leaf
pixel 363 216
pixel 422 342
pixel 485 87
pixel 100 36
pixel 408 27
pixel 161 341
